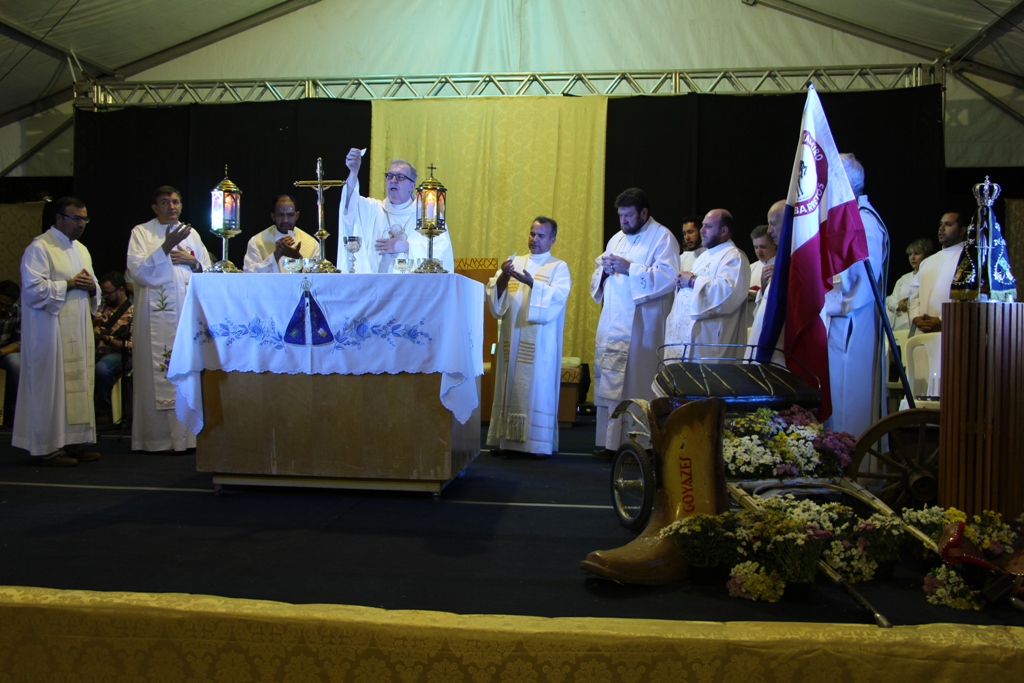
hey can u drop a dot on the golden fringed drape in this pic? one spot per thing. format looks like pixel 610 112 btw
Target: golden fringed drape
pixel 506 161
pixel 50 635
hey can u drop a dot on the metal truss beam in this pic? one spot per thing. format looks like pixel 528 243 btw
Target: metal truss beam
pixel 50 49
pixel 63 95
pixel 990 98
pixel 39 146
pixel 981 38
pixel 935 56
pixel 102 95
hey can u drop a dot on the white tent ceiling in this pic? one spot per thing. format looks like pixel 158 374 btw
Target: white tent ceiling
pixel 48 45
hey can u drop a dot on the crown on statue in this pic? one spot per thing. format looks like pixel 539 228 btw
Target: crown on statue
pixel 987 193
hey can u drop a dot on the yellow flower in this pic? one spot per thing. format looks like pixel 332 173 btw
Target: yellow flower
pixel 954 515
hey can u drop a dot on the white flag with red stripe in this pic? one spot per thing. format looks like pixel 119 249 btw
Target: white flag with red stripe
pixel 822 235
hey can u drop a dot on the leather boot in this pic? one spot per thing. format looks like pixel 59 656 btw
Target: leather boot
pixel 692 481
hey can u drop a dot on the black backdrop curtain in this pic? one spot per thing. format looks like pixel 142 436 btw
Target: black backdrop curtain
pixel 122 156
pixel 691 153
pixel 694 153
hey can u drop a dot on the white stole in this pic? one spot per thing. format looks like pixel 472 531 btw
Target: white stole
pixel 515 425
pixel 77 347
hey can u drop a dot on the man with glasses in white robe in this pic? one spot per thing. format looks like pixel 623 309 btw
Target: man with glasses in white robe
pixel 387 227
pixel 55 415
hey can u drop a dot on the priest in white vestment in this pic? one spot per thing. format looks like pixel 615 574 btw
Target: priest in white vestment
pixel 692 247
pixel 387 227
pixel 55 413
pixel 528 296
pixel 896 304
pixel 281 240
pixel 930 287
pixel 776 213
pixel 163 255
pixel 856 370
pixel 764 250
pixel 710 304
pixel 634 279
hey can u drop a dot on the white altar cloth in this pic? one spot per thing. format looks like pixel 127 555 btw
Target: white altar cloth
pixel 389 323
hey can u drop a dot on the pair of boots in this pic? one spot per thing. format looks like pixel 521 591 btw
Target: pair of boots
pixel 691 481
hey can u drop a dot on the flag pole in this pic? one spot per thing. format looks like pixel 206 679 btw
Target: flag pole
pixel 880 305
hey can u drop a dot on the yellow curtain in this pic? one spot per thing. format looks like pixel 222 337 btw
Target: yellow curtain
pixel 506 161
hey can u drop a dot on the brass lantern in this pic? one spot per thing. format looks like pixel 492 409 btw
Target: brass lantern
pixel 430 203
pixel 224 219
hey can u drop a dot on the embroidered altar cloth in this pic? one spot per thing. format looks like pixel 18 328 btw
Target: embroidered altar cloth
pixel 330 324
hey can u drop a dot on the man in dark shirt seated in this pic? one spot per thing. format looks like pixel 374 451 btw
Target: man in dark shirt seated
pixel 10 345
pixel 112 325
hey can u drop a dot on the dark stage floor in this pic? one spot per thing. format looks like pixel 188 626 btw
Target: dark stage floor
pixel 505 538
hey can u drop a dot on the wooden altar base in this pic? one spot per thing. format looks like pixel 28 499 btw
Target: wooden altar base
pixel 981 442
pixel 332 431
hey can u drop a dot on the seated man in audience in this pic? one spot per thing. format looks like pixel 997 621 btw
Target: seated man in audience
pixel 930 287
pixel 10 345
pixel 281 240
pixel 112 327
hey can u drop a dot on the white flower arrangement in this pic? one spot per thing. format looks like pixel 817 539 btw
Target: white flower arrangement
pixel 790 443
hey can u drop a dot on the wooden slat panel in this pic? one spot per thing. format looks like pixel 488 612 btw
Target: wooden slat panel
pixel 981 454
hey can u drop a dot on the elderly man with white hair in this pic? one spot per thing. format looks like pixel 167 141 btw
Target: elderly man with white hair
pixel 854 324
pixel 387 226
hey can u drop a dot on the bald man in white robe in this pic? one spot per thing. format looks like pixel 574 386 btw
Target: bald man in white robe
pixel 710 304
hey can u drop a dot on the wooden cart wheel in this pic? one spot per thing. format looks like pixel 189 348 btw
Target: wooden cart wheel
pixel 633 485
pixel 906 470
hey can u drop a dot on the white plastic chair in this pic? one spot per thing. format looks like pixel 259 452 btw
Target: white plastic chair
pixel 924 363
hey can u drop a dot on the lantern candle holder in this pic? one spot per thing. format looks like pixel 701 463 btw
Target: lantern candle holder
pixel 224 222
pixel 430 207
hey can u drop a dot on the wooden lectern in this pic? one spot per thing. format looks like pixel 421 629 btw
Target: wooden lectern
pixel 981 441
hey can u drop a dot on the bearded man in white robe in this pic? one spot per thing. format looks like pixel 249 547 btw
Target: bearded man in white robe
pixel 281 240
pixel 55 413
pixel 930 287
pixel 387 227
pixel 163 255
pixel 692 247
pixel 855 325
pixel 634 279
pixel 710 304
pixel 528 295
